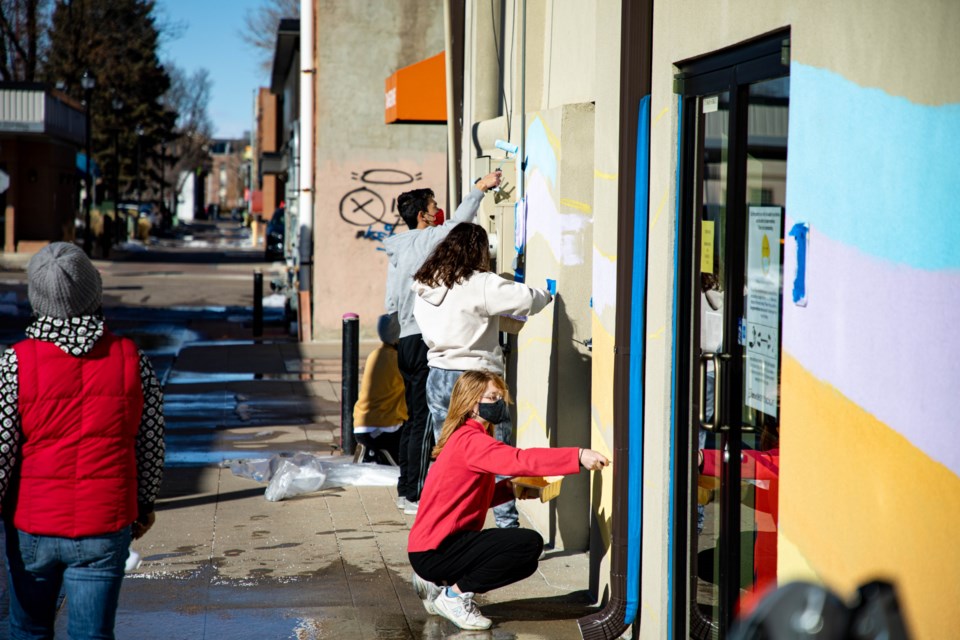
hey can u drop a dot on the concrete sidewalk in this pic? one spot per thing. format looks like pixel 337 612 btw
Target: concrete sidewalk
pixel 222 562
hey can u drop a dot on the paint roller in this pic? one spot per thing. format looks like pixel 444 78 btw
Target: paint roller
pixel 506 147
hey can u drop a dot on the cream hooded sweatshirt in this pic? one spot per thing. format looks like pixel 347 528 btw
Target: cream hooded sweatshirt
pixel 460 324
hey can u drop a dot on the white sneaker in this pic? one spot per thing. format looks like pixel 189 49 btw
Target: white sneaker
pixel 410 507
pixel 462 611
pixel 401 502
pixel 427 591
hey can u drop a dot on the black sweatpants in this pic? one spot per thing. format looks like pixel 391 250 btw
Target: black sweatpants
pixel 479 561
pixel 416 440
pixel 389 442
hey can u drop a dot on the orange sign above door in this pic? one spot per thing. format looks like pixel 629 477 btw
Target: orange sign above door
pixel 418 93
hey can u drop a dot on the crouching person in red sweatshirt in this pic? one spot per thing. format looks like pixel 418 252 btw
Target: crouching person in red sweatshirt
pixel 81 452
pixel 452 555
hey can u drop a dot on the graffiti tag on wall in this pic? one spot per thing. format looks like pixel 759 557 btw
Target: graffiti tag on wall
pixel 366 207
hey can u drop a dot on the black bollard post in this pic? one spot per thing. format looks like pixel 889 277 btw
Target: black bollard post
pixel 351 365
pixel 257 303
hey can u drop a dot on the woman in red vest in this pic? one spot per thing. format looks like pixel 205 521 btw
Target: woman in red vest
pixel 452 555
pixel 81 452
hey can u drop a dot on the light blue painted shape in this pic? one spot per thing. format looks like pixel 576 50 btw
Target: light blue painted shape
pixel 539 152
pixel 874 171
pixel 638 305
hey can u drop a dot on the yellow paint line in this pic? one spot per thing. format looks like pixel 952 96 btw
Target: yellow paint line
pixel 575 204
pixel 656 216
pixel 612 257
pixel 533 417
pixel 551 138
pixel 658 334
pixel 532 342
pixel 662 113
pixel 604 176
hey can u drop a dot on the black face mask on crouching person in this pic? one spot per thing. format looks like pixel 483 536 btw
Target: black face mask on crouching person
pixel 494 412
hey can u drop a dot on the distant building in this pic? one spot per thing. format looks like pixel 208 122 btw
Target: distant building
pixel 268 176
pixel 187 198
pixel 41 131
pixel 225 182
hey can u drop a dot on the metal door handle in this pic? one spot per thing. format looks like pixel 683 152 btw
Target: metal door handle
pixel 714 419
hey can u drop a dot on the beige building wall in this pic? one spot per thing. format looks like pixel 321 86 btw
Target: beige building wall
pixel 902 49
pixel 361 163
pixel 571 80
pixel 562 388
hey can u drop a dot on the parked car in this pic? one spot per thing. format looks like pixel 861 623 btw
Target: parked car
pixel 276 230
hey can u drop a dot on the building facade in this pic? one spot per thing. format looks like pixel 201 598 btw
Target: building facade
pixel 41 131
pixel 747 208
pixel 360 163
pixel 737 200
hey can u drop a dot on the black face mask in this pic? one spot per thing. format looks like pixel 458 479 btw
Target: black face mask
pixel 494 412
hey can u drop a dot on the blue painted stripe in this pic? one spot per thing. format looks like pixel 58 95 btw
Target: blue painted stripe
pixel 638 324
pixel 874 171
pixel 540 152
pixel 671 523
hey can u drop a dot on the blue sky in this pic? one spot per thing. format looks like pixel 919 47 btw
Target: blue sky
pixel 209 36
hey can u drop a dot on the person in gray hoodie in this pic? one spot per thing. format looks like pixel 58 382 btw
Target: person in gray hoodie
pixel 406 252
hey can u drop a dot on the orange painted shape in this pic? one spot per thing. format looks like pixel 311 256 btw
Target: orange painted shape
pixel 417 93
pixel 861 502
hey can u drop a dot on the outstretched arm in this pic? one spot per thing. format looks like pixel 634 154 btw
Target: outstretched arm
pixel 467 211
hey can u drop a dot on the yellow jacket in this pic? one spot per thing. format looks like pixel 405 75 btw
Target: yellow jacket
pixel 381 400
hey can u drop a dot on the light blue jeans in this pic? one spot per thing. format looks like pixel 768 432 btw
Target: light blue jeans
pixel 89 569
pixel 439 389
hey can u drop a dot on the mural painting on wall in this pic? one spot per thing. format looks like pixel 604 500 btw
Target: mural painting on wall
pixel 366 207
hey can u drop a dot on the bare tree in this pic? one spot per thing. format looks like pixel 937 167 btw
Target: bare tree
pixel 260 26
pixel 23 38
pixel 188 97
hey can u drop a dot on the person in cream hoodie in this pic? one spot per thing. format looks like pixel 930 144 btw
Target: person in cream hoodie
pixel 458 306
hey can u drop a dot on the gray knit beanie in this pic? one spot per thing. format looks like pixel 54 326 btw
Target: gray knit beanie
pixel 62 282
pixel 388 328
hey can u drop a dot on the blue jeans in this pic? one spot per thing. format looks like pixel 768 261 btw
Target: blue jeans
pixel 439 389
pixel 89 569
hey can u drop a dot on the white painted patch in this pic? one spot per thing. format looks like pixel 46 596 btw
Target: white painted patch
pixel 563 232
pixel 604 282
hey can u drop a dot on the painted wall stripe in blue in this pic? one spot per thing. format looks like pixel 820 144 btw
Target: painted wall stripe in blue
pixel 638 322
pixel 671 523
pixel 539 151
pixel 799 234
pixel 874 171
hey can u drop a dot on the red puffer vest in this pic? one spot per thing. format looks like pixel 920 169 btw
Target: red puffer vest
pixel 80 415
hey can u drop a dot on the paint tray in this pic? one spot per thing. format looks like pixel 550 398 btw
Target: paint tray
pixel 548 488
pixel 512 324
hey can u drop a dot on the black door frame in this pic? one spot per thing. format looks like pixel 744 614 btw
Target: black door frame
pixel 730 70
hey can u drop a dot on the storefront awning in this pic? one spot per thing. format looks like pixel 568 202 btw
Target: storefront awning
pixel 418 93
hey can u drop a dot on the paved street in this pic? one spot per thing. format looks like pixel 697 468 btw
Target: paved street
pixel 221 561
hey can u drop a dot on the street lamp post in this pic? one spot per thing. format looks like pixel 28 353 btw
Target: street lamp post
pixel 163 179
pixel 87 83
pixel 117 105
pixel 139 192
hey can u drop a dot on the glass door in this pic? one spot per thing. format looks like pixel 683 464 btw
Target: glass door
pixel 734 184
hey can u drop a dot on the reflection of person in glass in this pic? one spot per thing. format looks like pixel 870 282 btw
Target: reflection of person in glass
pixel 759 477
pixel 711 341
